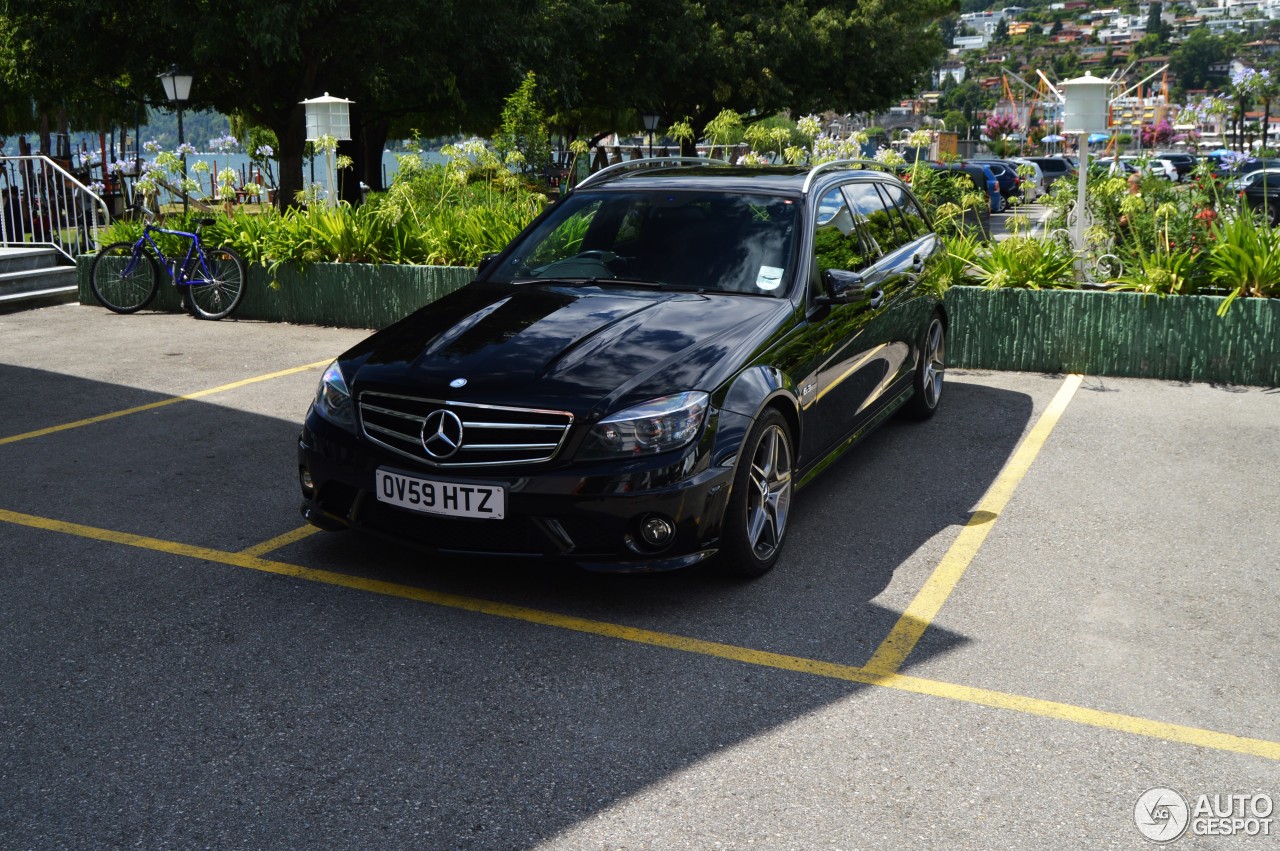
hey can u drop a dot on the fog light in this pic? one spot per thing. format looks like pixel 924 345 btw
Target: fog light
pixel 656 531
pixel 304 478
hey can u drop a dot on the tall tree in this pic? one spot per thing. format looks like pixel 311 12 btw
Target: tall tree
pixel 698 58
pixel 442 64
pixel 1192 60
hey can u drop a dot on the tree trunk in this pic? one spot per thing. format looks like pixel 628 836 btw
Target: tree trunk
pixel 374 134
pixel 63 143
pixel 290 133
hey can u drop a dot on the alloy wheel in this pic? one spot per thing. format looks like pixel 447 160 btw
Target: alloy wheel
pixel 769 495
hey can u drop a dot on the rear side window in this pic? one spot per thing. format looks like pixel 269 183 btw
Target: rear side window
pixel 883 227
pixel 911 217
pixel 837 243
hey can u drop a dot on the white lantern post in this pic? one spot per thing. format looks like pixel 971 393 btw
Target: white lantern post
pixel 1084 112
pixel 177 88
pixel 329 117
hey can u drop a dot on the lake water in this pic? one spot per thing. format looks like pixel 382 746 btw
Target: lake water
pixel 240 163
pixel 312 169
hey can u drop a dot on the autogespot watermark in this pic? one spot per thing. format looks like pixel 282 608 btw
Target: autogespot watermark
pixel 1163 815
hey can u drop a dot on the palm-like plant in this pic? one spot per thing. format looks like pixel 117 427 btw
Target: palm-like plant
pixel 1245 258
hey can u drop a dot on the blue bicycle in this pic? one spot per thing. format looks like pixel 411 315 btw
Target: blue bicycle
pixel 124 277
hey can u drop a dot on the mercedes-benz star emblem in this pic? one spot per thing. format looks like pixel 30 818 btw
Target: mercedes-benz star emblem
pixel 441 434
pixel 458 382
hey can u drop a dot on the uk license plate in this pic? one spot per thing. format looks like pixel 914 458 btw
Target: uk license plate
pixel 433 496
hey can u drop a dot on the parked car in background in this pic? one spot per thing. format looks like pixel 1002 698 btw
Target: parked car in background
pixel 1053 169
pixel 1244 181
pixel 1006 175
pixel 1263 196
pixel 995 200
pixel 1153 166
pixel 1182 163
pixel 644 376
pixel 1032 185
pixel 1112 167
pixel 1243 167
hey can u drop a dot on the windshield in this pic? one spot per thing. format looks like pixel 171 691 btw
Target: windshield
pixel 698 240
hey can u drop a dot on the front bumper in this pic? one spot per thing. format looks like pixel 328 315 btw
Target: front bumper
pixel 589 516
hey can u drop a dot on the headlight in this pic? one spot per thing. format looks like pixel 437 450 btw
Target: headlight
pixel 333 399
pixel 656 426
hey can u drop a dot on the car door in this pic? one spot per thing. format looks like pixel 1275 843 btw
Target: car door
pixel 906 310
pixel 856 352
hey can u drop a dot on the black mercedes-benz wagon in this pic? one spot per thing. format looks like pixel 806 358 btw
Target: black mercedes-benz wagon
pixel 644 376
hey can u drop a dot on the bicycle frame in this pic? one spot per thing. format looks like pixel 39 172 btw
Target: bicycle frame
pixel 177 272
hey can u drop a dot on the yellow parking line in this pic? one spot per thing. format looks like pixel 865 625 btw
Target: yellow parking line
pixel 280 541
pixel 906 633
pixel 199 394
pixel 1113 721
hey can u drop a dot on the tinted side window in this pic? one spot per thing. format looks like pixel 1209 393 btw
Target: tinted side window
pixel 912 218
pixel 836 242
pixel 877 215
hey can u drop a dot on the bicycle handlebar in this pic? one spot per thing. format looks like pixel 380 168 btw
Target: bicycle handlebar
pixel 150 216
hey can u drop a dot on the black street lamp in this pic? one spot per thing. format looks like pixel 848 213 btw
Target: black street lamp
pixel 177 88
pixel 651 120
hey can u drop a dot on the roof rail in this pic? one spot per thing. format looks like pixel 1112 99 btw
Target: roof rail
pixel 648 162
pixel 834 164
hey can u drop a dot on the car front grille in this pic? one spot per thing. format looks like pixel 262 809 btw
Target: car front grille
pixel 490 435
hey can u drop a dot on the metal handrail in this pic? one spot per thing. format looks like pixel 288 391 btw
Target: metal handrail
pixel 41 199
pixel 649 162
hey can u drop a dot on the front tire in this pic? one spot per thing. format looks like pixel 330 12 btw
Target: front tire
pixel 755 523
pixel 115 285
pixel 928 378
pixel 220 292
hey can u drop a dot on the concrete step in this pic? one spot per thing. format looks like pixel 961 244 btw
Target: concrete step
pixel 21 259
pixel 45 286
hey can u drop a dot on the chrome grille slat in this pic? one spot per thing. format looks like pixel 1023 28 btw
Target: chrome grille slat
pixel 528 427
pixel 516 435
pixel 387 431
pixel 392 413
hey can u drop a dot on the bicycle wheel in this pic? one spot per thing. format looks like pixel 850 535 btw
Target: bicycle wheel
pixel 119 287
pixel 217 288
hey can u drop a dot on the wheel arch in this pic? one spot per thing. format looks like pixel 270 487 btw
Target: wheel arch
pixel 749 395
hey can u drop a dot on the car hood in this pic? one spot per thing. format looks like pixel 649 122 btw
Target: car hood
pixel 587 349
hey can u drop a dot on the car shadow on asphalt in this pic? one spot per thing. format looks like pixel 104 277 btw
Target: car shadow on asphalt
pixel 899 496
pixel 399 724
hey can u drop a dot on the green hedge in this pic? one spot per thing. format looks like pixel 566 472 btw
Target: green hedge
pixel 1178 338
pixel 344 295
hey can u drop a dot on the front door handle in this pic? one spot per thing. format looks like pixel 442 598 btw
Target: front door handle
pixel 877 299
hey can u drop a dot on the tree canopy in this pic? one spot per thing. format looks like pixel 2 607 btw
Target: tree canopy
pixel 445 66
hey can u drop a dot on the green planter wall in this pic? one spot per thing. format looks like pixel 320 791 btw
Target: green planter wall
pixel 346 295
pixel 1178 338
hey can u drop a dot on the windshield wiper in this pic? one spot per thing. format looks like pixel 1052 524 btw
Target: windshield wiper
pixel 598 281
pixel 627 282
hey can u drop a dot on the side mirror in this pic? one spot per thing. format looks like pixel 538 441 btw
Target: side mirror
pixel 842 286
pixel 485 262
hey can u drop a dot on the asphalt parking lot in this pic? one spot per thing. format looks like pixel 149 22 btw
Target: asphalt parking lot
pixel 997 629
